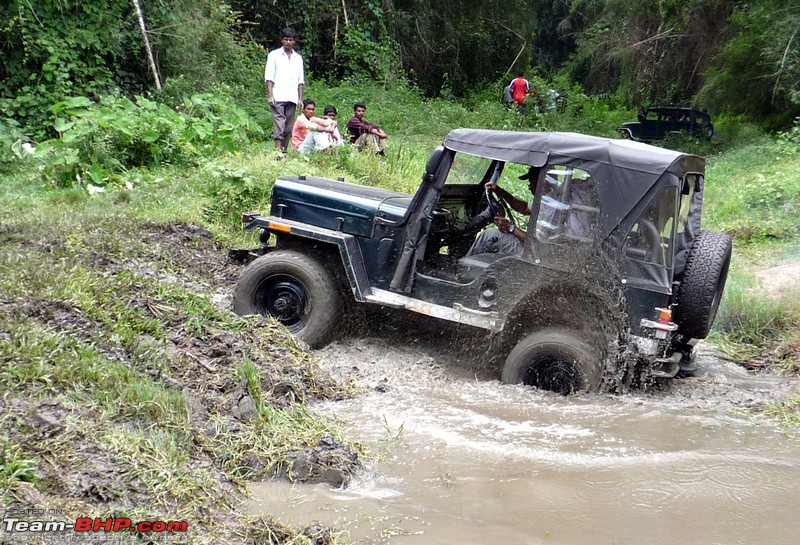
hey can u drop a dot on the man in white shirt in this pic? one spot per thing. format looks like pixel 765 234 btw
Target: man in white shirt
pixel 285 78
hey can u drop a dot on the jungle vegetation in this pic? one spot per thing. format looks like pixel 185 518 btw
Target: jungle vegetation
pixel 730 56
pixel 121 181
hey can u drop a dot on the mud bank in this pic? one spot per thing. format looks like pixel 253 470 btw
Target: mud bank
pixel 129 390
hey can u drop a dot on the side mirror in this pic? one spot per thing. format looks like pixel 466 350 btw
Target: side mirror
pixel 433 161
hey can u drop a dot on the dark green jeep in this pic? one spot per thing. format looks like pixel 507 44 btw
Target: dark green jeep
pixel 614 261
pixel 658 122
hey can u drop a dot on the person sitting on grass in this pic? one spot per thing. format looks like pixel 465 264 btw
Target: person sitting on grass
pixel 330 112
pixel 312 133
pixel 364 134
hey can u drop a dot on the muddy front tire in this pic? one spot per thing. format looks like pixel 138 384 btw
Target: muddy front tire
pixel 295 289
pixel 556 360
pixel 702 284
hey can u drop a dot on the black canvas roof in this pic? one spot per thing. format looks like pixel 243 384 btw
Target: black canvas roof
pixel 623 170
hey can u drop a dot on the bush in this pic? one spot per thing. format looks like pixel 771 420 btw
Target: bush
pixel 790 140
pixel 12 144
pixel 98 140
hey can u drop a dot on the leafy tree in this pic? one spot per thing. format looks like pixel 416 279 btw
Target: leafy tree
pixel 653 50
pixel 56 48
pixel 53 49
pixel 449 47
pixel 757 72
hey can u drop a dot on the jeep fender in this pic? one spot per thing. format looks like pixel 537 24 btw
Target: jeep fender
pixel 567 305
pixel 349 250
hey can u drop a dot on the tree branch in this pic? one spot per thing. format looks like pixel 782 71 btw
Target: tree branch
pixel 781 68
pixel 151 62
pixel 521 49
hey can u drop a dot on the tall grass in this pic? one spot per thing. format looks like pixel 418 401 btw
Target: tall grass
pixel 753 194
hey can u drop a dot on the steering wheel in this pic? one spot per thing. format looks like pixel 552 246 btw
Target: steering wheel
pixel 490 206
pixel 496 205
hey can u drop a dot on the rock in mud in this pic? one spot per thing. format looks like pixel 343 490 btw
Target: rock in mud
pixel 331 461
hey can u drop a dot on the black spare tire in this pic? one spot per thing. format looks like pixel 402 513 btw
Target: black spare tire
pixel 295 289
pixel 555 359
pixel 702 284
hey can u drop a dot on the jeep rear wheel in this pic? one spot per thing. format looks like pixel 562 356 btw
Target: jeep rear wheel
pixel 296 290
pixel 702 284
pixel 554 359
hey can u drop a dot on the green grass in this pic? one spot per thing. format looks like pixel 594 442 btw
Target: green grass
pixel 753 192
pixel 786 413
pixel 13 466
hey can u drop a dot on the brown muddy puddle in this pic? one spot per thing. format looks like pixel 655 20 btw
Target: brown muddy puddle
pixel 466 461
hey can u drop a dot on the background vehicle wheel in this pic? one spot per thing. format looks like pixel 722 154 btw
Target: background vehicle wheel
pixel 295 289
pixel 556 360
pixel 702 284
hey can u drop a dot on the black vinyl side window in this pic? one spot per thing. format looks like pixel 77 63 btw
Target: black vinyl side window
pixel 651 238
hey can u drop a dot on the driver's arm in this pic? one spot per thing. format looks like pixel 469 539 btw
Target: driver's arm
pixel 505 225
pixel 518 205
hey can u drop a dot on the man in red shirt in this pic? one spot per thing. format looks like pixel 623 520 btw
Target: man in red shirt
pixel 519 91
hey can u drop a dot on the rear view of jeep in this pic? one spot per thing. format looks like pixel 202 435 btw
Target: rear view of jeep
pixel 612 263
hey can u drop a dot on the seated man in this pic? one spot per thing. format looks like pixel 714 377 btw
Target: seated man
pixel 312 133
pixel 506 238
pixel 330 112
pixel 363 133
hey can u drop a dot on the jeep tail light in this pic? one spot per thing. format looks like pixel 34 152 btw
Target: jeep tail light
pixel 663 326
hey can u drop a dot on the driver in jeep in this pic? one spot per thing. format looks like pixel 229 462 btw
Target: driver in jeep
pixel 506 238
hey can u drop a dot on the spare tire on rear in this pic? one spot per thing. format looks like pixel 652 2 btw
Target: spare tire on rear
pixel 702 284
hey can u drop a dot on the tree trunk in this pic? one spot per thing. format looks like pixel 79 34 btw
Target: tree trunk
pixel 150 59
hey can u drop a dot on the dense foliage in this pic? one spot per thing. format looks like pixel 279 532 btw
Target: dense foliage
pixel 757 70
pixel 739 58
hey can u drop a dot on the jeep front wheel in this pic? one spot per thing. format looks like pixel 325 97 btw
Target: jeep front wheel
pixel 556 360
pixel 295 289
pixel 703 282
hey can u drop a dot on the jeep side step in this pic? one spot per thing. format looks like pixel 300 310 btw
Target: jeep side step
pixel 458 313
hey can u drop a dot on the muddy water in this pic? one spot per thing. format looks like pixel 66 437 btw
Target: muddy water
pixel 470 461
